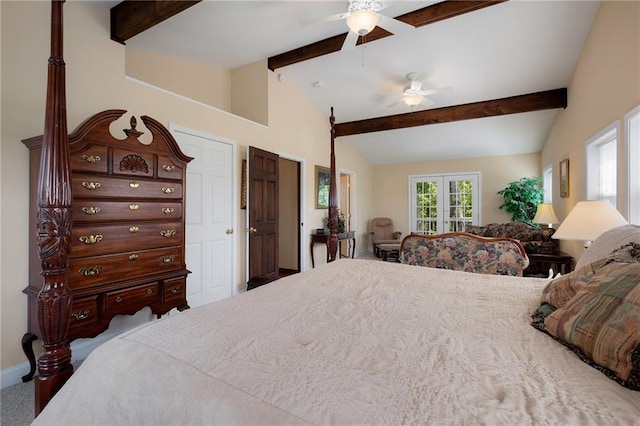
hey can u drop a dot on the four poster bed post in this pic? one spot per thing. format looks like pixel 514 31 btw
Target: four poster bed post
pixel 332 244
pixel 54 227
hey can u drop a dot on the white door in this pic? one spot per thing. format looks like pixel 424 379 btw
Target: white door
pixel 210 233
pixel 444 203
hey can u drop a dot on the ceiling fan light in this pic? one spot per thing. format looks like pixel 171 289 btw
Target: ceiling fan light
pixel 412 100
pixel 362 22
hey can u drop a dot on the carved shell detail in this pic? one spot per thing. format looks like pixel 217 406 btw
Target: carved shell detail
pixel 134 163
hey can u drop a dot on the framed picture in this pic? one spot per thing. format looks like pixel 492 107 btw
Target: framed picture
pixel 323 175
pixel 564 178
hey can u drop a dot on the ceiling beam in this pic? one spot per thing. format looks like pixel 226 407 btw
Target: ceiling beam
pixel 418 18
pixel 131 17
pixel 549 99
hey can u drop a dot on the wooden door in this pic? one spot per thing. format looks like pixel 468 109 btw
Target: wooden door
pixel 262 206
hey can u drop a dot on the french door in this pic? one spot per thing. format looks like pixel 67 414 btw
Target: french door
pixel 444 203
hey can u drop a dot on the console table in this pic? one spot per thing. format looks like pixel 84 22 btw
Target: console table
pixel 324 239
pixel 559 262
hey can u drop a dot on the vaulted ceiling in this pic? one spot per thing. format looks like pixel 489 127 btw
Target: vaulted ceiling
pixel 501 68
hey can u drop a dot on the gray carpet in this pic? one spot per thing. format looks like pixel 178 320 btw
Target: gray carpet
pixel 17 404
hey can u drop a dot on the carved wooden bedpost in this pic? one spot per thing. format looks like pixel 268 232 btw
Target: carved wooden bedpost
pixel 54 227
pixel 333 197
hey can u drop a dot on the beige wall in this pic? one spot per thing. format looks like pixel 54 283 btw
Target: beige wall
pixel 249 92
pixel 391 183
pixel 95 82
pixel 605 86
pixel 205 83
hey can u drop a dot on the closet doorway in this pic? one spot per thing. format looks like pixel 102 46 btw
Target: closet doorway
pixel 347 208
pixel 289 218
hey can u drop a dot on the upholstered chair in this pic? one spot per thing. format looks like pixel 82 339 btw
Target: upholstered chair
pixel 382 232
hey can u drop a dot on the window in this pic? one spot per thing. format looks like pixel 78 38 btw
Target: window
pixel 444 203
pixel 632 125
pixel 602 165
pixel 547 184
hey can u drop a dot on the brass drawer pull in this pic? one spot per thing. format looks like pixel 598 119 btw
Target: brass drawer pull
pixel 167 259
pixel 133 257
pixel 133 207
pixel 168 168
pixel 149 291
pixel 91 158
pixel 91 271
pixel 91 210
pixel 91 185
pixel 168 190
pixel 81 315
pixel 91 239
pixel 167 210
pixel 119 299
pixel 168 233
pixel 134 229
pixel 134 185
pixel 175 290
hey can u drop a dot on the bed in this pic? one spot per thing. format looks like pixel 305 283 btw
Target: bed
pixel 351 342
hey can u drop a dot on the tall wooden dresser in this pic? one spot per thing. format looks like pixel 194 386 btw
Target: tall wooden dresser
pixel 128 226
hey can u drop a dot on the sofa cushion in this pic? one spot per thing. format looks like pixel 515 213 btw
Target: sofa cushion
pixel 533 239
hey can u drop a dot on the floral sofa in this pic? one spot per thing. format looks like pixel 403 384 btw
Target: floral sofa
pixel 465 252
pixel 534 240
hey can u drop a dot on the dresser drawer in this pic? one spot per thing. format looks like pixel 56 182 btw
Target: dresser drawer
pixel 174 289
pixel 91 271
pixel 84 313
pixel 88 240
pixel 133 211
pixel 168 169
pixel 96 186
pixel 121 301
pixel 91 159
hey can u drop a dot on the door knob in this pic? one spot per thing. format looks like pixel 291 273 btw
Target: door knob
pixel 229 231
pixel 252 230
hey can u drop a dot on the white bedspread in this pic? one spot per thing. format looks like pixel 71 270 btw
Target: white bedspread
pixel 353 342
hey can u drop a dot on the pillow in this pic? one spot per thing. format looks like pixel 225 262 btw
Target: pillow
pixel 601 322
pixel 563 288
pixel 609 241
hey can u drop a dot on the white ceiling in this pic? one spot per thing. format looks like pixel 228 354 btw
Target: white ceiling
pixel 508 49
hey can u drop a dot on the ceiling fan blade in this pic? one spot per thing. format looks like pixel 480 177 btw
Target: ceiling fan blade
pixel 323 20
pixel 350 41
pixel 436 90
pixel 394 26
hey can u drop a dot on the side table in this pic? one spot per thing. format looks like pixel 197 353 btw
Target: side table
pixel 324 239
pixel 559 262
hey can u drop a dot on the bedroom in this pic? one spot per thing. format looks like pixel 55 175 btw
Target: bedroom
pixel 102 76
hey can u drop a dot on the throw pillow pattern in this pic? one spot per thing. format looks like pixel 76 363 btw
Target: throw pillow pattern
pixel 595 311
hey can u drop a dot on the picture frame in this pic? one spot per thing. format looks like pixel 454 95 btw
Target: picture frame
pixel 323 176
pixel 564 178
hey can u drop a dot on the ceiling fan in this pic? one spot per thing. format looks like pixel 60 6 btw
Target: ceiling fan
pixel 362 17
pixel 413 94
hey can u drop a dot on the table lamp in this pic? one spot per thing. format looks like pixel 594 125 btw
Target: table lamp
pixel 545 216
pixel 588 220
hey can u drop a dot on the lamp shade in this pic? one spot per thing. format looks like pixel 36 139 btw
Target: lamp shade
pixel 545 215
pixel 362 22
pixel 588 220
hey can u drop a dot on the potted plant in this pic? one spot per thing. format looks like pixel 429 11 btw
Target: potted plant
pixel 521 199
pixel 341 223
